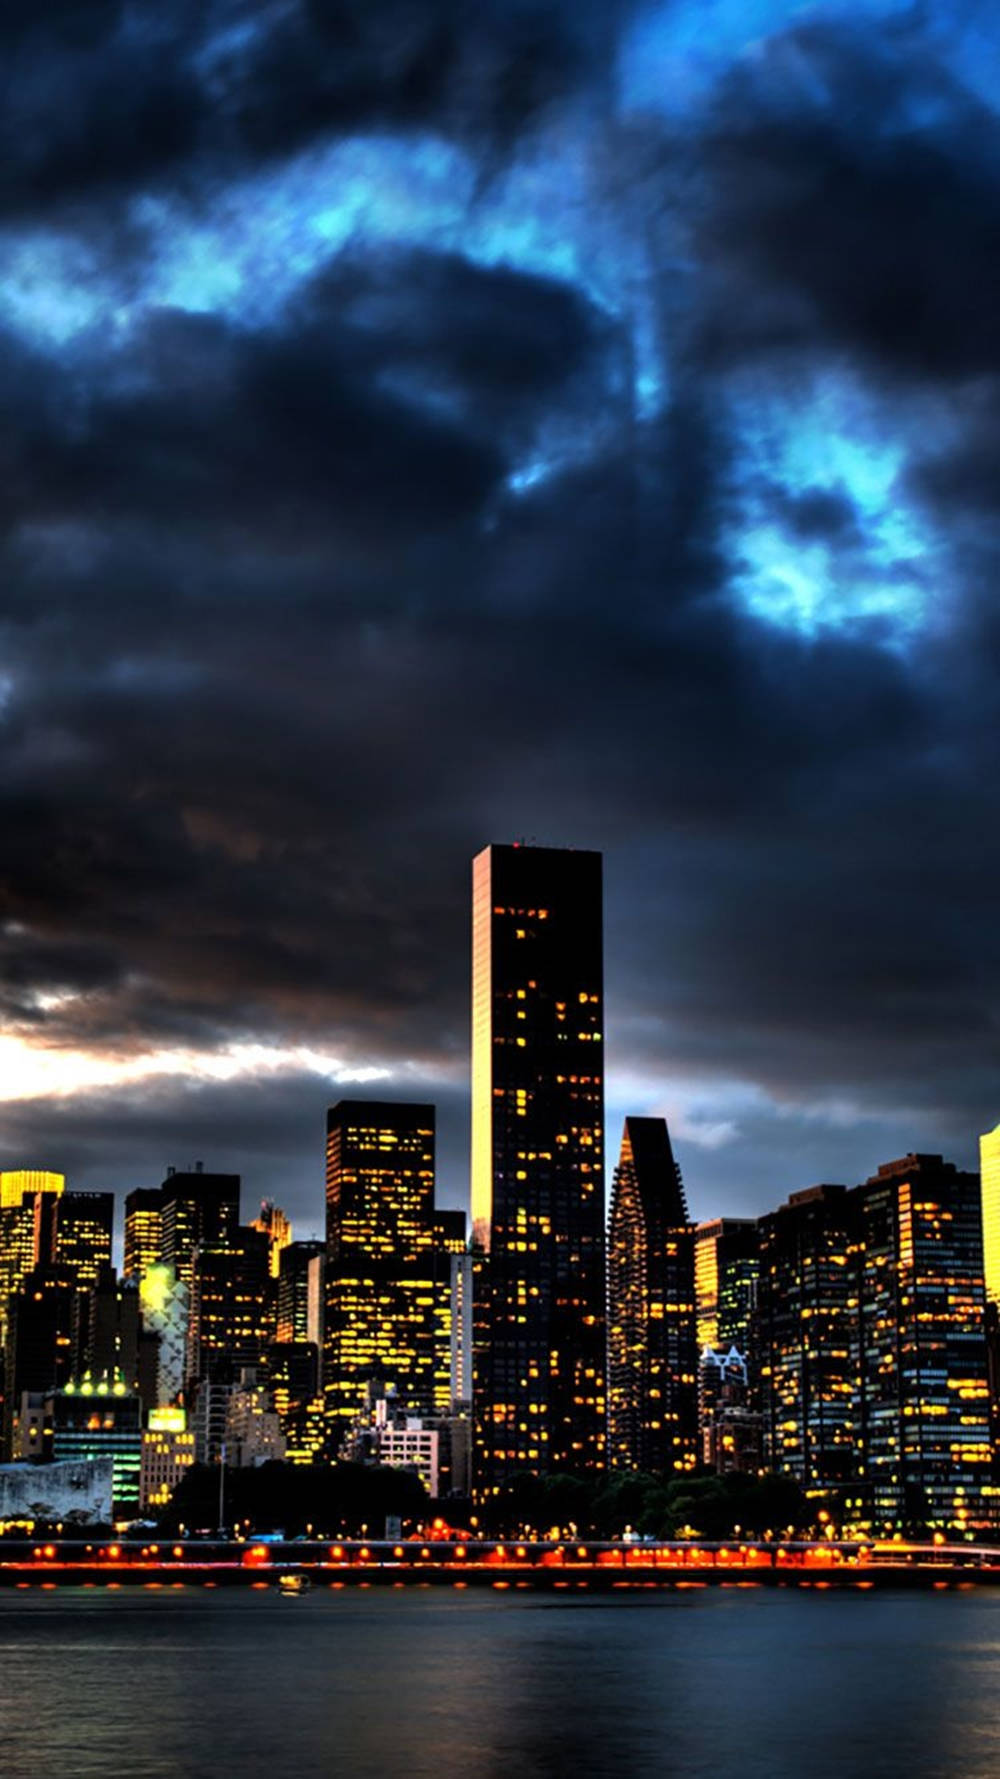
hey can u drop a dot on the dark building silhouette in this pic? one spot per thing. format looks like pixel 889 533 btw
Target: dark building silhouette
pixel 652 1351
pixel 538 1162
pixel 388 1299
pixel 38 1352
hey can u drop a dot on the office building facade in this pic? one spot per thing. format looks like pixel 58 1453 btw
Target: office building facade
pixel 652 1352
pixel 925 1411
pixel 538 1162
pixel 809 1342
pixel 388 1284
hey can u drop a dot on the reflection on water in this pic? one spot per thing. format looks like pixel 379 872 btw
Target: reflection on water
pixel 760 1685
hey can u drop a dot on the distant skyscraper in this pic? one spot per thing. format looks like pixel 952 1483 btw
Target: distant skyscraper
pixel 199 1211
pixel 726 1275
pixel 989 1168
pixel 278 1229
pixel 809 1335
pixel 84 1223
pixel 538 1161
pixel 300 1292
pixel 652 1353
pixel 25 1242
pixel 388 1296
pixel 16 1184
pixel 143 1235
pixel 726 1271
pixel 165 1303
pixel 106 1334
pixel 232 1306
pixel 28 1198
pixel 38 1352
pixel 924 1388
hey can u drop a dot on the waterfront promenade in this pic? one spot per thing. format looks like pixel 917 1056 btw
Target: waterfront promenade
pixel 500 1565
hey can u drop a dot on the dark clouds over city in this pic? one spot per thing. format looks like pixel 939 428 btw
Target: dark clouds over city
pixel 428 424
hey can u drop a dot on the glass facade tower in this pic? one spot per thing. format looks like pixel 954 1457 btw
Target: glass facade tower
pixel 388 1284
pixel 652 1357
pixel 538 1161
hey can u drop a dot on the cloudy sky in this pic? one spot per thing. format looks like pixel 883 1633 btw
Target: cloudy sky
pixel 428 423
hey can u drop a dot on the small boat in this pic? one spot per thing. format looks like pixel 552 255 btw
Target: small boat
pixel 294 1582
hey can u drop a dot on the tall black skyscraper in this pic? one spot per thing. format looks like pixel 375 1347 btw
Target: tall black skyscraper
pixel 652 1352
pixel 538 1161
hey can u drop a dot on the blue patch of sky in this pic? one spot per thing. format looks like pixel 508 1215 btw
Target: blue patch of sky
pixel 832 441
pixel 674 53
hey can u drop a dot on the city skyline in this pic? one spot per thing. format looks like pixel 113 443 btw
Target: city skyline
pixel 559 421
pixel 456 1179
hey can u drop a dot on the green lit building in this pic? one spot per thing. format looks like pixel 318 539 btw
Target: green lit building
pixel 101 1418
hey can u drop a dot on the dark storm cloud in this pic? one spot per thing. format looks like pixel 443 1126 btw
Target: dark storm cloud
pixel 852 200
pixel 103 99
pixel 300 613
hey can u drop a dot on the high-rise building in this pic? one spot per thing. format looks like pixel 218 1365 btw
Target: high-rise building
pixel 388 1299
pixel 232 1306
pixel 199 1210
pixel 28 1199
pixel 277 1227
pixel 461 1332
pixel 726 1274
pixel 165 1304
pixel 38 1349
pixel 808 1341
pixel 17 1184
pixel 107 1329
pixel 989 1171
pixel 300 1292
pixel 726 1271
pixel 143 1212
pixel 84 1224
pixel 925 1429
pixel 652 1353
pixel 293 1378
pixel 538 1161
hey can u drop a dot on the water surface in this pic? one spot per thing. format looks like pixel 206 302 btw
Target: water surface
pixel 759 1685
